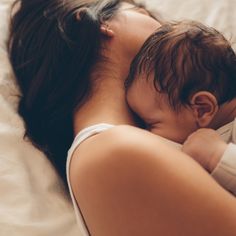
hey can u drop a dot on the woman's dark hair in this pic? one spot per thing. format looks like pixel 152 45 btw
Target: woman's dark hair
pixel 186 57
pixel 53 45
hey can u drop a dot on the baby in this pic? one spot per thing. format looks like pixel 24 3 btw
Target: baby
pixel 182 84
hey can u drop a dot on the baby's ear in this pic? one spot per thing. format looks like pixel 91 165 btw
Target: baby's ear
pixel 204 105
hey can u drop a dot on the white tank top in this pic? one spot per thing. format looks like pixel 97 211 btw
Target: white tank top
pixel 80 137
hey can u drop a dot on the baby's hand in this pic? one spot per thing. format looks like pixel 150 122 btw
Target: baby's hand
pixel 206 147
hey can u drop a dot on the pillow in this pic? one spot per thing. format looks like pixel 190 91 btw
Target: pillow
pixel 219 14
pixel 32 198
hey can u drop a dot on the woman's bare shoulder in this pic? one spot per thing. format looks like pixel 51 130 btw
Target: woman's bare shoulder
pixel 125 182
pixel 114 170
pixel 123 147
pixel 117 138
pixel 113 143
pixel 106 173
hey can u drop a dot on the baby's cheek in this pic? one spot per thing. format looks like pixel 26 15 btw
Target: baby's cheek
pixel 169 133
pixel 156 130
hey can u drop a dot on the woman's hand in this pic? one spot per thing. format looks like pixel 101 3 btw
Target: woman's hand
pixel 206 147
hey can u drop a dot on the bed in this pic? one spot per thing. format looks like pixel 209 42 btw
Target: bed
pixel 33 200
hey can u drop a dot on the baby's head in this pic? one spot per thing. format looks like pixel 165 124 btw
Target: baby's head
pixel 180 79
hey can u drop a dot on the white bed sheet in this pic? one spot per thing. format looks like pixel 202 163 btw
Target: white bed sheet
pixel 32 199
pixel 220 14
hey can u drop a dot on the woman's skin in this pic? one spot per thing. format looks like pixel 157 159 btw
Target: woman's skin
pixel 127 181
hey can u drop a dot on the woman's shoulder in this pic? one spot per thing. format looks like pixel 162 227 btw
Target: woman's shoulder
pixel 114 142
pixel 115 153
pixel 112 172
pixel 101 154
pixel 123 143
pixel 106 173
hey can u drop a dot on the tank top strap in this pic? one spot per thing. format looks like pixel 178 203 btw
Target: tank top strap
pixel 80 137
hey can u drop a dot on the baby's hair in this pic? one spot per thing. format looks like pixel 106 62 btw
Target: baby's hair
pixel 184 58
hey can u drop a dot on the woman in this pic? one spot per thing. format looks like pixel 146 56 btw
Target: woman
pixel 71 59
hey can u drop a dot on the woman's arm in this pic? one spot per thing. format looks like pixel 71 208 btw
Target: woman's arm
pixel 128 182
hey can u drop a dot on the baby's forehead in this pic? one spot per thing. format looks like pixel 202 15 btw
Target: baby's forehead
pixel 141 84
pixel 142 93
pixel 141 79
pixel 144 82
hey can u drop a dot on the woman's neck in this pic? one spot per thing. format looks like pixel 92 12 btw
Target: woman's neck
pixel 107 103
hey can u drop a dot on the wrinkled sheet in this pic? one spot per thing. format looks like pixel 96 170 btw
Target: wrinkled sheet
pixel 33 201
pixel 32 198
pixel 220 14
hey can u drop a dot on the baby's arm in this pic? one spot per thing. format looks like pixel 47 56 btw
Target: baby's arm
pixel 225 171
pixel 216 156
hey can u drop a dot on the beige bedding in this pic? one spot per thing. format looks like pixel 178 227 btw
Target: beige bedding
pixel 32 200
